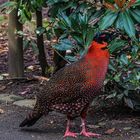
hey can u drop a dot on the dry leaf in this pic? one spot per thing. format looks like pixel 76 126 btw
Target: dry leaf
pixel 2 88
pixel 110 131
pixel 1 111
pixel 30 68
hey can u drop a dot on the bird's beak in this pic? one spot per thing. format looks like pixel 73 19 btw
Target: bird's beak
pixel 104 48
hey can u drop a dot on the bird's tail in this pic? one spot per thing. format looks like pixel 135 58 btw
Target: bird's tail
pixel 32 117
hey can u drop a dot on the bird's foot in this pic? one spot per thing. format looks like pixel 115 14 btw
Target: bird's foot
pixel 89 134
pixel 70 134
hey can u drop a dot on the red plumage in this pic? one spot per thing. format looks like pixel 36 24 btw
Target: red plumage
pixel 71 90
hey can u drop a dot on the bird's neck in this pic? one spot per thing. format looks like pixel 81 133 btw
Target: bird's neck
pixel 98 54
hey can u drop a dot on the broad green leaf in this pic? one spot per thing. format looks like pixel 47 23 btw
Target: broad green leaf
pixel 40 30
pixel 97 14
pixel 63 45
pixel 89 37
pixel 117 77
pixel 136 14
pixel 65 19
pixel 24 14
pixel 128 24
pixel 108 20
pixel 71 58
pixel 111 67
pixel 116 45
pixel 124 59
pixel 83 19
pixel 78 38
pixel 119 22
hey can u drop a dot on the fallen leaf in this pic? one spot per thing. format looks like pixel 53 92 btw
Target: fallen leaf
pixel 1 111
pixel 10 83
pixel 30 68
pixel 24 92
pixel 2 88
pixel 5 74
pixel 110 131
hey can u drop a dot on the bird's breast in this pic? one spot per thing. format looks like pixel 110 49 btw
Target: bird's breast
pixel 95 74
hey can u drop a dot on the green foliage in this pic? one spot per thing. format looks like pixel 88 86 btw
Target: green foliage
pixel 64 45
pixel 40 30
pixel 74 23
pixel 108 19
pixel 122 17
pixel 116 45
pixel 32 44
pixel 124 74
pixel 7 7
pixel 76 27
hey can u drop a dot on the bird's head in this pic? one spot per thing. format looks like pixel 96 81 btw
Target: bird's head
pixel 103 37
pixel 101 41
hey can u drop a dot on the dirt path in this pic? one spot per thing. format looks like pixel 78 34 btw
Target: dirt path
pixel 113 125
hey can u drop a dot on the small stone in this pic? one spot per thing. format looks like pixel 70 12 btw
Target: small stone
pixel 127 128
pixel 7 98
pixel 16 98
pixel 102 123
pixel 51 122
pixel 2 88
pixel 25 103
pixel 1 77
pixel 93 126
pixel 4 98
pixel 5 74
pixel 30 68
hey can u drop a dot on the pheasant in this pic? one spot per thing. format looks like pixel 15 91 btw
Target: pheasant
pixel 72 89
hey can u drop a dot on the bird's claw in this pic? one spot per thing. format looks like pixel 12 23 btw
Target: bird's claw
pixel 70 134
pixel 89 134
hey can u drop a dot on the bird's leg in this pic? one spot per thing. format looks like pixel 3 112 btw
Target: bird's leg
pixel 84 131
pixel 68 133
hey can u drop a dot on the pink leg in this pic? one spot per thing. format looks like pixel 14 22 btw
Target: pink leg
pixel 84 132
pixel 68 133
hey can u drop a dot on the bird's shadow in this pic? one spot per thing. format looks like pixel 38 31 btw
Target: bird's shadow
pixel 42 131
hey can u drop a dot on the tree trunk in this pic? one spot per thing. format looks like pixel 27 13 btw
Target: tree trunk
pixel 40 45
pixel 15 42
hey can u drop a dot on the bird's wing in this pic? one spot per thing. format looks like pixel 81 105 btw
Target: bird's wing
pixel 68 83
